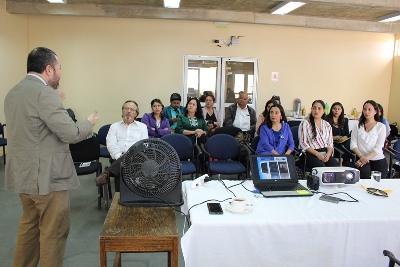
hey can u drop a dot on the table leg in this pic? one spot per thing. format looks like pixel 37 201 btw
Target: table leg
pixel 117 259
pixel 103 255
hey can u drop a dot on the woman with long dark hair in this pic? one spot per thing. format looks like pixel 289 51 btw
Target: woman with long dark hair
pixel 340 129
pixel 192 123
pixel 261 118
pixel 315 138
pixel 275 134
pixel 368 140
pixel 157 124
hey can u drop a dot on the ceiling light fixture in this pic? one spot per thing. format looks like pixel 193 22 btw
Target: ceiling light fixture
pixel 286 7
pixel 57 1
pixel 172 3
pixel 390 18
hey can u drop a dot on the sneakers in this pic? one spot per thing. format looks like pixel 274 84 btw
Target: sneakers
pixel 103 178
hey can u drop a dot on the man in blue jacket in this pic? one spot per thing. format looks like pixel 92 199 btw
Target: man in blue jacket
pixel 171 112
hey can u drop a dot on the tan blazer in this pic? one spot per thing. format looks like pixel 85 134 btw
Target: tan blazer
pixel 39 130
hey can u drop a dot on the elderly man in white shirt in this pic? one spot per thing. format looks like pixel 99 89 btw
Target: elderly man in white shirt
pixel 121 136
pixel 243 117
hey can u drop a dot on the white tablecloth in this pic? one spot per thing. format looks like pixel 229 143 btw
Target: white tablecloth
pixel 295 231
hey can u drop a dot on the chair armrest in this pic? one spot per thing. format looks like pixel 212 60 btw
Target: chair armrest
pixel 198 150
pixel 392 258
pixel 390 151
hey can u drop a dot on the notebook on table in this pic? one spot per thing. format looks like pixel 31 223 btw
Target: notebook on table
pixel 275 176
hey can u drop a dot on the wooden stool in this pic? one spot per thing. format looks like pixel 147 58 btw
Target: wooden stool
pixel 138 229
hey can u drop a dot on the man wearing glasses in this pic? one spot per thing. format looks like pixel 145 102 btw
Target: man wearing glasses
pixel 121 136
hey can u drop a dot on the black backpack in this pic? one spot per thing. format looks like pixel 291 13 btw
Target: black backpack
pixel 394 132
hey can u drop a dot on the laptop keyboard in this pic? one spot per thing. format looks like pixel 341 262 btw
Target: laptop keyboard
pixel 281 187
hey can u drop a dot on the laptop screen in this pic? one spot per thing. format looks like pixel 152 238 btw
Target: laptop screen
pixel 274 168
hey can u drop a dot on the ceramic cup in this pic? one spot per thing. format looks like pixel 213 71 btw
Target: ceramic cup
pixel 239 204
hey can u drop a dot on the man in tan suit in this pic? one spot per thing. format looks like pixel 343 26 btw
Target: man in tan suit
pixel 39 164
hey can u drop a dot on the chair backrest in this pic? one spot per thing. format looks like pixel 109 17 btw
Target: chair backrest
pixel 1 129
pixel 254 142
pixel 294 123
pixel 86 150
pixel 222 147
pixel 295 133
pixel 181 144
pixel 231 130
pixel 102 134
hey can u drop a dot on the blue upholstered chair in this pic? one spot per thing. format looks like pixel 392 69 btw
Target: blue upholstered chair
pixel 189 154
pixel 102 134
pixel 222 152
pixel 3 141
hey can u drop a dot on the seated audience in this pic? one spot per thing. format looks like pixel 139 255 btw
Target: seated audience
pixel 315 138
pixel 368 140
pixel 211 114
pixel 157 124
pixel 340 128
pixel 172 111
pixel 263 115
pixel 240 114
pixel 121 136
pixel 192 123
pixel 383 120
pixel 275 134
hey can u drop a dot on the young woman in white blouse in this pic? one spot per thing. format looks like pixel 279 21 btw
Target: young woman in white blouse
pixel 368 140
pixel 315 138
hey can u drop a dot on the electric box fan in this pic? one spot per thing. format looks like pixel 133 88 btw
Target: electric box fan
pixel 151 175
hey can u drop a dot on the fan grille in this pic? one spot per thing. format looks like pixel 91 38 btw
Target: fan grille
pixel 151 167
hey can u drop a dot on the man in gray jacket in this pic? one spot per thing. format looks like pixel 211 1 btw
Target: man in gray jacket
pixel 39 164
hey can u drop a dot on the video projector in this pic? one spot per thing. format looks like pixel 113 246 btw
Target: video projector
pixel 336 175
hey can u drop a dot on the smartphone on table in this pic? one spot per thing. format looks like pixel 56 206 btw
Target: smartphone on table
pixel 215 208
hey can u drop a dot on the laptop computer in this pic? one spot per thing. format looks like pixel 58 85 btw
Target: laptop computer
pixel 275 176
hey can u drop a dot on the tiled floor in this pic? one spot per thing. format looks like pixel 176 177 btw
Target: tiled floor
pixel 86 222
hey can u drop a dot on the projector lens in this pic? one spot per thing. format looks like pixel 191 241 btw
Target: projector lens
pixel 349 176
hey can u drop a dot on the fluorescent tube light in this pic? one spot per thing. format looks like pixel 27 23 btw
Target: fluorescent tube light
pixel 390 18
pixel 57 1
pixel 286 7
pixel 171 3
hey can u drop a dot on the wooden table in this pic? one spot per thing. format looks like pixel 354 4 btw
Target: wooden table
pixel 138 229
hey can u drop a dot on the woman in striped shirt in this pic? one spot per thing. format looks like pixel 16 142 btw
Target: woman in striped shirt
pixel 315 138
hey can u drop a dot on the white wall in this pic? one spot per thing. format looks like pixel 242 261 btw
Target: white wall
pixel 108 60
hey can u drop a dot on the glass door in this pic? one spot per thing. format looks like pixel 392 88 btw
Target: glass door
pixel 224 77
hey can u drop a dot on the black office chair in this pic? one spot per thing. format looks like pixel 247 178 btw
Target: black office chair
pixel 392 259
pixel 102 134
pixel 220 151
pixel 394 155
pixel 231 130
pixel 3 141
pixel 189 154
pixel 85 155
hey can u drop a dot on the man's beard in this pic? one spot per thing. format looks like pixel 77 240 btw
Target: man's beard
pixel 128 117
pixel 54 83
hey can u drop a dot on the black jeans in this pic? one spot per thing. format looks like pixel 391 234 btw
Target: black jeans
pixel 313 161
pixel 374 165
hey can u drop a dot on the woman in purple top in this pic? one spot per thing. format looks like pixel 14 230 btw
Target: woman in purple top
pixel 157 124
pixel 275 134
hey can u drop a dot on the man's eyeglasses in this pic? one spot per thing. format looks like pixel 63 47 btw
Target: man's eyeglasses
pixel 130 109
